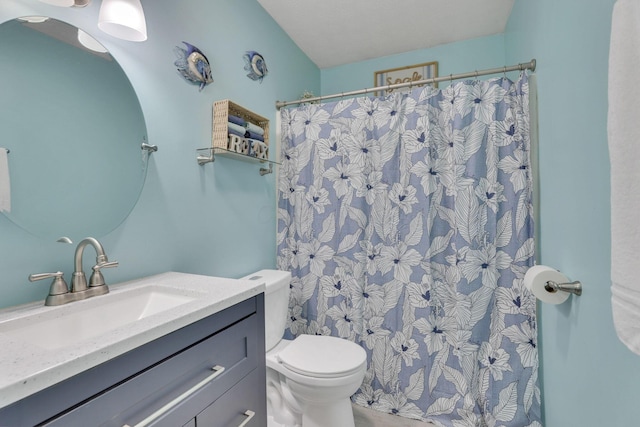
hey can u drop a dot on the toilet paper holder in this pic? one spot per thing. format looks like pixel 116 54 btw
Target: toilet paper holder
pixel 571 287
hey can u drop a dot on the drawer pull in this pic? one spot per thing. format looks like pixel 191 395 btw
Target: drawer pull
pixel 250 415
pixel 166 408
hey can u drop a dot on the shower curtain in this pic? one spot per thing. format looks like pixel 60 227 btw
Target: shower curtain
pixel 407 224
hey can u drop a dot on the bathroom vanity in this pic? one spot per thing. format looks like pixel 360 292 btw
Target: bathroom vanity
pixel 195 357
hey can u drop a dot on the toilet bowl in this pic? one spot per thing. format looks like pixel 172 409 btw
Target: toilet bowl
pixel 309 379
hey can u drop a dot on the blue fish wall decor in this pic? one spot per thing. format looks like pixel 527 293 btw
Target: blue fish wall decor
pixel 193 65
pixel 255 65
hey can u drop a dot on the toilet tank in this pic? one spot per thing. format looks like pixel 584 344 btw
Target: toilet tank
pixel 276 303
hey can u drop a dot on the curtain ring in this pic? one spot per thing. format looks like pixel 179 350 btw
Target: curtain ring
pixel 504 71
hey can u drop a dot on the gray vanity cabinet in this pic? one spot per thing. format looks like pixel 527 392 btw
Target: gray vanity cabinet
pixel 216 365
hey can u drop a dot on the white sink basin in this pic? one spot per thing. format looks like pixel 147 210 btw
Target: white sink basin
pixel 78 321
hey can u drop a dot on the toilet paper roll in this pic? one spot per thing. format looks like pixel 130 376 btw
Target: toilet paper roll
pixel 536 280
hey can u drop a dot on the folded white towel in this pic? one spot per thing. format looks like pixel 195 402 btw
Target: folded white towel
pixel 624 153
pixel 5 184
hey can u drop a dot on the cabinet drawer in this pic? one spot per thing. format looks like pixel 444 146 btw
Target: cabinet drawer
pixel 133 400
pixel 231 410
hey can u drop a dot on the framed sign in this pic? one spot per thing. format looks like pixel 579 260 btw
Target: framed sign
pixel 410 73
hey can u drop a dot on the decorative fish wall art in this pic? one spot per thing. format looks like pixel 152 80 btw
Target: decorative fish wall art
pixel 255 65
pixel 193 65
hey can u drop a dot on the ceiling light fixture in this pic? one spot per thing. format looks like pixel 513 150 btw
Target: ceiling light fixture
pixel 123 19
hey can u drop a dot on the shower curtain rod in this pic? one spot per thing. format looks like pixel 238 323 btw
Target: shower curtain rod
pixel 531 65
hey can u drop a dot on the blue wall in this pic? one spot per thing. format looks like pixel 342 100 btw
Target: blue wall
pixel 590 378
pixel 216 219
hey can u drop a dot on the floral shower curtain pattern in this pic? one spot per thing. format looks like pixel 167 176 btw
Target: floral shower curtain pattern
pixel 407 224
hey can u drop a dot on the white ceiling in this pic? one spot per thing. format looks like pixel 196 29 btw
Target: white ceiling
pixel 337 32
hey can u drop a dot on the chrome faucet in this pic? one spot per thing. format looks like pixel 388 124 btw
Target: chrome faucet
pixel 59 293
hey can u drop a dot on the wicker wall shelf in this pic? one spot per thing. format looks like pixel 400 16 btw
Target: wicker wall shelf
pixel 234 146
pixel 221 111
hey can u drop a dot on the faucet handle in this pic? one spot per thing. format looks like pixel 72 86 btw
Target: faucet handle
pixel 97 279
pixel 58 286
pixel 105 265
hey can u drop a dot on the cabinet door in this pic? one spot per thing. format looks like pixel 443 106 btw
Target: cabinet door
pixel 234 349
pixel 244 403
pixel 45 405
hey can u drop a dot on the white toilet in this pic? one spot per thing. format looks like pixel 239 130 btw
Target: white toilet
pixel 311 378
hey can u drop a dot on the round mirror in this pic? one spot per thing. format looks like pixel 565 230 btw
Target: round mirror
pixel 74 128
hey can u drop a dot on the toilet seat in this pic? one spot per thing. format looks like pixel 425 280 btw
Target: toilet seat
pixel 322 356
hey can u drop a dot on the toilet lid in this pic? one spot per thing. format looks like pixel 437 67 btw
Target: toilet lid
pixel 322 356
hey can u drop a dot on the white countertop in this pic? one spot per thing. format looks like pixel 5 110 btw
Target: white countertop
pixel 26 368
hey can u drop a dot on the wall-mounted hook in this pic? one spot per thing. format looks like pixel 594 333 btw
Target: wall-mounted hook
pixel 150 148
